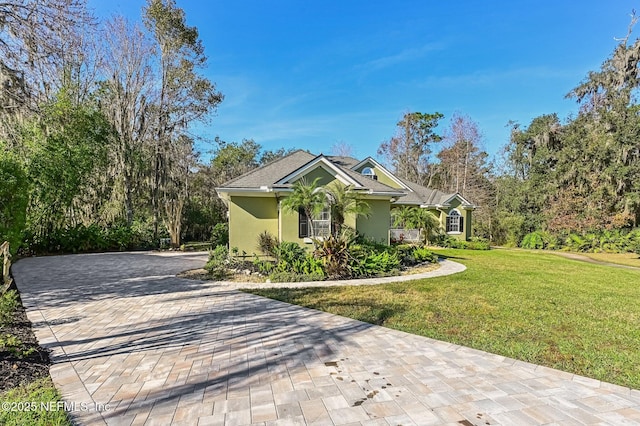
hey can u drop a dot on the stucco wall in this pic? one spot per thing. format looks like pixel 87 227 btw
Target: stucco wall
pixel 376 226
pixel 289 228
pixel 248 217
pixel 319 172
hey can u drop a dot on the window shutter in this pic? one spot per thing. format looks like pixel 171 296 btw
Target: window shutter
pixel 303 224
pixel 461 224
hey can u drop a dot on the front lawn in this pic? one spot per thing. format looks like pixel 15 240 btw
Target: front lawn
pixel 536 307
pixel 627 259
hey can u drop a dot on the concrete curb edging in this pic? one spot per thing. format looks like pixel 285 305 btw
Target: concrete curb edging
pixel 447 267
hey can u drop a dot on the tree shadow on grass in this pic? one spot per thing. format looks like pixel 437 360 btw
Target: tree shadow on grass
pixel 445 256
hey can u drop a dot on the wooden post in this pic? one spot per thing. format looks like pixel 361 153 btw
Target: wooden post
pixel 6 266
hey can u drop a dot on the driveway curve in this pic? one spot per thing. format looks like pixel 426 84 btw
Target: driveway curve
pixel 132 344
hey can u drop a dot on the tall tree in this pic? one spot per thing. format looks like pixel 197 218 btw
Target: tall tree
pixel 604 137
pixel 184 96
pixel 619 76
pixel 531 157
pixel 180 163
pixel 232 159
pixel 464 168
pixel 409 151
pixel 41 50
pixel 67 147
pixel 342 149
pixel 127 97
pixel 462 160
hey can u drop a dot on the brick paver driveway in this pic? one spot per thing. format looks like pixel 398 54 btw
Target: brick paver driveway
pixel 133 344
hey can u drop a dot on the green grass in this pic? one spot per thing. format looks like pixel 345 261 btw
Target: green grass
pixel 26 401
pixel 628 259
pixel 536 307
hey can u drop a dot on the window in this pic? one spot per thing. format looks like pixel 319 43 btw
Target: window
pixel 368 172
pixel 321 224
pixel 303 224
pixel 455 221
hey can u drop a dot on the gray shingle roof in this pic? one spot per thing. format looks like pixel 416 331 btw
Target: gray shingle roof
pixel 271 172
pixel 346 162
pixel 423 195
pixel 275 171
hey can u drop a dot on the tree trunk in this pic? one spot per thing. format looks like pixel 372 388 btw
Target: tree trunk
pixel 173 209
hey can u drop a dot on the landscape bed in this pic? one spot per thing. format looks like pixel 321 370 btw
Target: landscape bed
pixel 24 368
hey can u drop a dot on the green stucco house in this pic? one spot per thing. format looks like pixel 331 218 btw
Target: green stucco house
pixel 254 200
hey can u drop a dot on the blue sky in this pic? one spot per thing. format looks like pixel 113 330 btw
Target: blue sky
pixel 308 74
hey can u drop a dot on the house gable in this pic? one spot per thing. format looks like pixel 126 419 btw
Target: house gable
pixel 319 167
pixel 383 175
pixel 456 200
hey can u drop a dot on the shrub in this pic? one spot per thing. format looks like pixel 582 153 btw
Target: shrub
pixel 142 235
pixel 218 264
pixel 405 254
pixel 265 267
pixel 422 254
pixel 410 254
pixel 309 265
pixel 634 241
pixel 533 240
pixel 287 254
pixel 195 246
pixel 8 305
pixel 267 244
pixel 478 243
pixel 220 234
pixel 612 241
pixel 335 256
pixel 289 257
pixel 14 345
pixel 475 243
pixel 82 238
pixel 14 193
pixel 376 264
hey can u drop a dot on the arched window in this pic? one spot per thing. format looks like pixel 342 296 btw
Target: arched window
pixel 455 221
pixel 368 172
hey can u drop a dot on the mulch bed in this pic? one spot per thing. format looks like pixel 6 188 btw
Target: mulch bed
pixel 20 370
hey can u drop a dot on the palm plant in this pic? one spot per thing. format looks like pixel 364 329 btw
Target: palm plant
pixel 402 216
pixel 344 201
pixel 307 197
pixel 428 223
pixel 419 218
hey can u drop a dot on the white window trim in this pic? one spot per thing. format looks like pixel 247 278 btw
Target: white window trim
pixel 326 222
pixel 459 217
